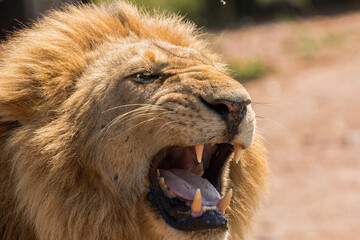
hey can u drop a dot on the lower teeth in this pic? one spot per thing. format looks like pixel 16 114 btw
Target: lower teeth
pixel 208 208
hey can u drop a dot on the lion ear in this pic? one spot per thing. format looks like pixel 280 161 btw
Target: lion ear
pixel 10 112
pixel 13 115
pixel 15 105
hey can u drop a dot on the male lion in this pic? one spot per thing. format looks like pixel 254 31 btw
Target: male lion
pixel 115 124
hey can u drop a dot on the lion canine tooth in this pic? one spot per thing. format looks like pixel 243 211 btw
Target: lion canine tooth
pixel 199 152
pixel 196 204
pixel 237 153
pixel 225 201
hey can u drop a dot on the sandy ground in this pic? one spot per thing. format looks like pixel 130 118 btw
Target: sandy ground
pixel 309 115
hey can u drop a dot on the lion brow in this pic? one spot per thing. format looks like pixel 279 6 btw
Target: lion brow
pixel 201 59
pixel 168 51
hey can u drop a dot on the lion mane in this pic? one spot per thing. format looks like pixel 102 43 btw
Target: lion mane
pixel 77 136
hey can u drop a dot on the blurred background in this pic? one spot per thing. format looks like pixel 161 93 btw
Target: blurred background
pixel 300 61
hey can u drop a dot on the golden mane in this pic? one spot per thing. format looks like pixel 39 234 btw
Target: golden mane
pixel 55 47
pixel 46 121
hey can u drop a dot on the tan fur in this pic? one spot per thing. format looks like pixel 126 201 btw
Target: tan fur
pixel 75 143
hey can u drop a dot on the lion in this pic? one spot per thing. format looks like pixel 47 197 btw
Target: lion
pixel 117 123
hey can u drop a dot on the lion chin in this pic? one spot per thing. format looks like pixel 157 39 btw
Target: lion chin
pixel 119 124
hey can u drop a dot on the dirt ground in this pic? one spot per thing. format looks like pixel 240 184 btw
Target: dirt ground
pixel 309 114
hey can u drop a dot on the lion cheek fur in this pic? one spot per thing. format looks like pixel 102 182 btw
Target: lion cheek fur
pixel 63 175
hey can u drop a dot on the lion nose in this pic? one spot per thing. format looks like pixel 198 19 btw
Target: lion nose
pixel 233 112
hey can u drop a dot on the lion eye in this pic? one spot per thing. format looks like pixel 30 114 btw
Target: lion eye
pixel 144 77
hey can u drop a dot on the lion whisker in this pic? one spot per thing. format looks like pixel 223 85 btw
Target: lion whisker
pixel 131 105
pixel 116 119
pixel 164 126
pixel 136 113
pixel 261 103
pixel 130 118
pixel 146 121
pixel 273 121
pixel 176 124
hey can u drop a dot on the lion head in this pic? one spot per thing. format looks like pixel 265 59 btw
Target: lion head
pixel 118 124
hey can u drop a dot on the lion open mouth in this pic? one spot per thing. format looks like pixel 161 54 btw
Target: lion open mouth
pixel 186 184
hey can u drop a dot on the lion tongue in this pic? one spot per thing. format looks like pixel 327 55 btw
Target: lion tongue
pixel 184 184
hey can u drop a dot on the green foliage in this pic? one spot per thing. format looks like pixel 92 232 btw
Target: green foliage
pixel 185 6
pixel 192 9
pixel 248 70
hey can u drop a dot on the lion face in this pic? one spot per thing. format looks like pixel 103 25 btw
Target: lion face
pixel 167 130
pixel 115 123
